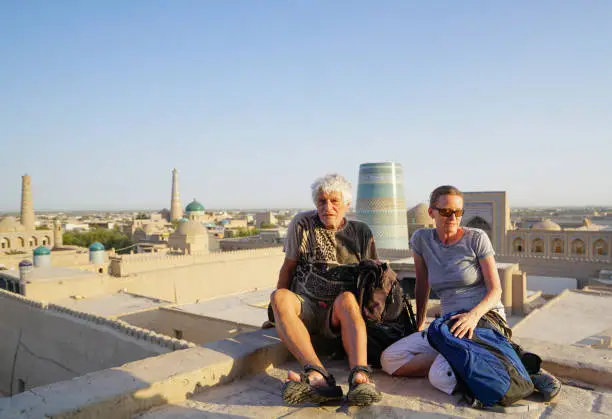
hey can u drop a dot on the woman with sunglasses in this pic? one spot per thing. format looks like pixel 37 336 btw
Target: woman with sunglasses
pixel 458 264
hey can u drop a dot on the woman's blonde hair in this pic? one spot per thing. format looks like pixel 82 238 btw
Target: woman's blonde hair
pixel 441 191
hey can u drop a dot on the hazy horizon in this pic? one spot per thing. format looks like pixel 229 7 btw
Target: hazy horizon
pixel 251 101
pixel 246 209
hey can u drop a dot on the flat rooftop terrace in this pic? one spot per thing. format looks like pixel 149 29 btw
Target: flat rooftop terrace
pixel 259 396
pixel 52 273
pixel 249 308
pixel 112 305
pixel 574 317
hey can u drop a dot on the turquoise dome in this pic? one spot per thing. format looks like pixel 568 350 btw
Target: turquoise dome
pixel 96 246
pixel 183 220
pixel 194 206
pixel 41 251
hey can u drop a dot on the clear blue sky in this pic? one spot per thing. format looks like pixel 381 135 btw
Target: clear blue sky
pixel 252 100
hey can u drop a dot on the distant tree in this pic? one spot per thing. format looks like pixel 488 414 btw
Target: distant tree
pixel 142 216
pixel 109 238
pixel 265 225
pixel 245 232
pixel 42 228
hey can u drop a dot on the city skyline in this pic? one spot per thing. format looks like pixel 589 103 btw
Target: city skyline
pixel 251 103
pixel 7 209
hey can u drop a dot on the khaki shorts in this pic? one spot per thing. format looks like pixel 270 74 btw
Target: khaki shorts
pixel 316 316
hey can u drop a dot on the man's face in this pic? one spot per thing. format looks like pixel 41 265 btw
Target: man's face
pixel 331 209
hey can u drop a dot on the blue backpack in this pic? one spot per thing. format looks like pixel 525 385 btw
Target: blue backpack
pixel 488 366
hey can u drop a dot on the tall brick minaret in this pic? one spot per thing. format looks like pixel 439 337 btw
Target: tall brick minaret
pixel 176 211
pixel 27 208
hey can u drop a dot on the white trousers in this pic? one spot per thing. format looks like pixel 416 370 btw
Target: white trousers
pixel 441 375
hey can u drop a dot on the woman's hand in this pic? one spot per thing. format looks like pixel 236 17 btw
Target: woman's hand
pixel 464 324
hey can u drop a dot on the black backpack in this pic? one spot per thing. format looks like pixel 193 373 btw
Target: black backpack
pixel 387 311
pixel 385 308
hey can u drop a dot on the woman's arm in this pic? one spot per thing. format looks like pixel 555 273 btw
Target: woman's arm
pixel 421 289
pixel 466 322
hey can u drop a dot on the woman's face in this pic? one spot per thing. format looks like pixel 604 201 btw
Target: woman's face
pixel 331 209
pixel 446 203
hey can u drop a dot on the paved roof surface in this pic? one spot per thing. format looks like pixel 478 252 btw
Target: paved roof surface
pixel 259 397
pixel 573 317
pixel 109 305
pixel 246 308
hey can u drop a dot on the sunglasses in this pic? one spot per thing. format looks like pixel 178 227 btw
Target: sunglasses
pixel 447 212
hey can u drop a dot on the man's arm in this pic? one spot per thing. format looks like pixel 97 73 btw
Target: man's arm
pixel 286 273
pixel 421 289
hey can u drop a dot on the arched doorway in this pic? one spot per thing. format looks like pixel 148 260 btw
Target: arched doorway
pixel 578 247
pixel 5 243
pixel 537 246
pixel 600 248
pixel 518 245
pixel 478 222
pixel 557 246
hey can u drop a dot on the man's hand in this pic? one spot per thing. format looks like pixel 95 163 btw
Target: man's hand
pixel 464 324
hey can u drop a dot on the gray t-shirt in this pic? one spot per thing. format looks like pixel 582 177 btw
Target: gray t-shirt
pixel 454 270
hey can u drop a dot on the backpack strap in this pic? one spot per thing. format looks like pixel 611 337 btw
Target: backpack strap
pixel 411 317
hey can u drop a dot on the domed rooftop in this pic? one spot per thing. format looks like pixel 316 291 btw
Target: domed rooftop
pixel 150 229
pixel 420 214
pixel 191 228
pixel 10 225
pixel 546 225
pixel 96 247
pixel 41 251
pixel 25 262
pixel 194 206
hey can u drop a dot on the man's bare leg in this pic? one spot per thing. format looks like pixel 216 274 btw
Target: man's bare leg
pixel 347 316
pixel 293 333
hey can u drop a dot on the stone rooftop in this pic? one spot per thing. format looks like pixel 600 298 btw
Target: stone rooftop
pixel 248 308
pixel 575 317
pixel 259 397
pixel 52 273
pixel 112 305
pixel 241 376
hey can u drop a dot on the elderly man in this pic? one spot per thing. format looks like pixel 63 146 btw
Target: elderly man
pixel 312 295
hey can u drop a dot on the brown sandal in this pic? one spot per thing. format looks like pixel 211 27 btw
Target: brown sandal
pixel 299 392
pixel 362 394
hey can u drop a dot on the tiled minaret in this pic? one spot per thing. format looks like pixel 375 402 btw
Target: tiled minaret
pixel 27 208
pixel 381 205
pixel 176 211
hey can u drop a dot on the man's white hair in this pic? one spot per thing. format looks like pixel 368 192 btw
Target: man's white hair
pixel 332 183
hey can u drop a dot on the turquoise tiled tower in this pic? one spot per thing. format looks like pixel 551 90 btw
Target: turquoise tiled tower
pixel 381 204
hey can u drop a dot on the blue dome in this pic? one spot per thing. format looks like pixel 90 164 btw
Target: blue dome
pixel 41 251
pixel 183 220
pixel 224 222
pixel 25 262
pixel 194 206
pixel 96 246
